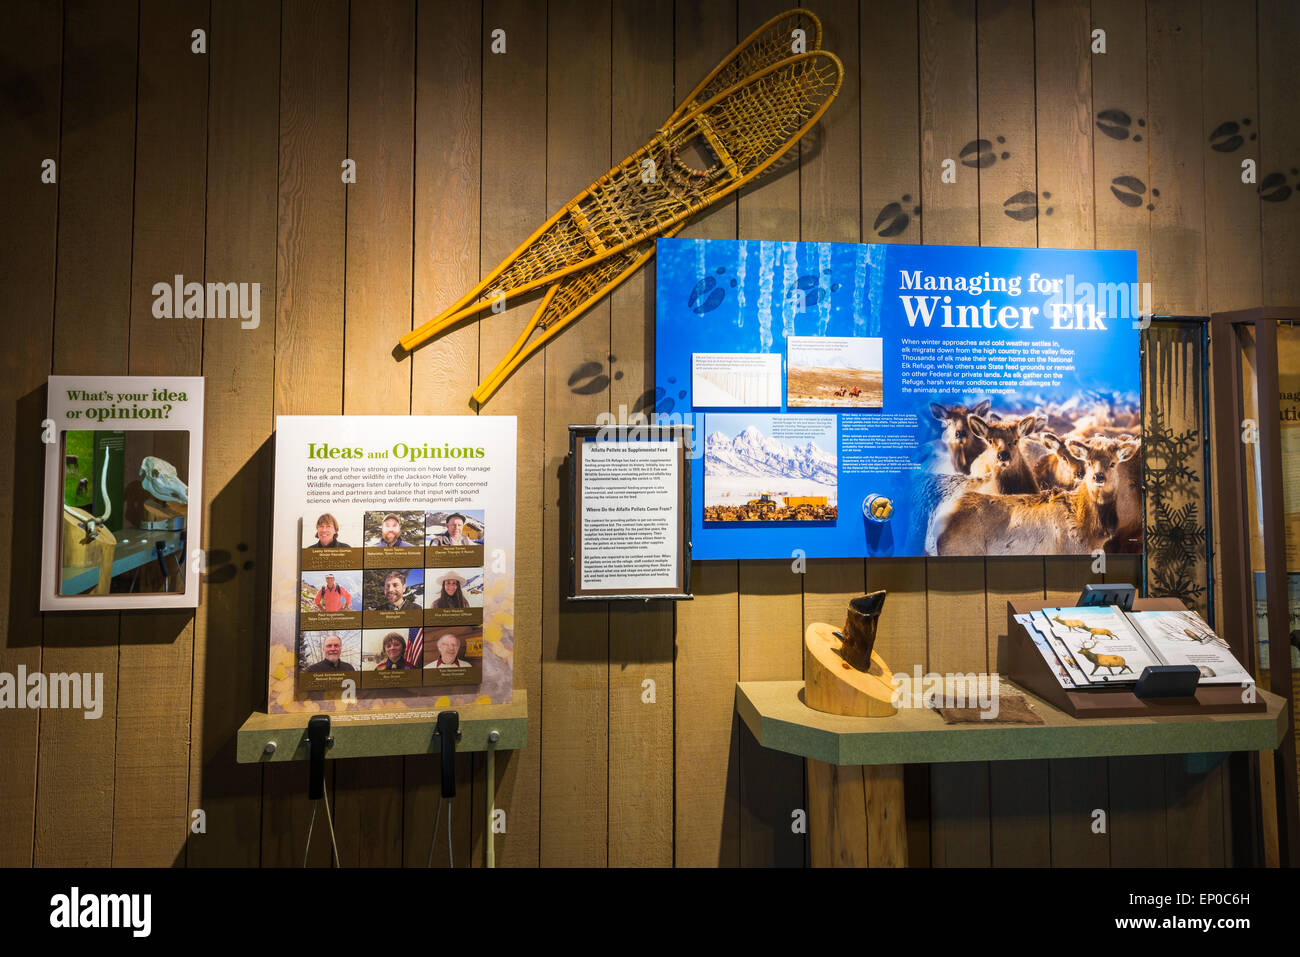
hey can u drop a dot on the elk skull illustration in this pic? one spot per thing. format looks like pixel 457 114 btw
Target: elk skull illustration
pixel 160 480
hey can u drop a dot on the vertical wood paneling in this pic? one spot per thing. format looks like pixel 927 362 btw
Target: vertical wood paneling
pixel 1018 790
pixel 377 307
pixel 310 244
pixel 890 186
pixel 1177 157
pixel 29 126
pixel 1279 152
pixel 707 822
pixel 1007 123
pixel 1139 833
pixel 239 366
pixel 1234 273
pixel 514 203
pixel 92 304
pixel 771 648
pixel 959 795
pixel 1193 792
pixel 460 154
pixel 1122 163
pixel 1279 70
pixel 771 593
pixel 640 636
pixel 830 211
pixel 1119 83
pixel 150 799
pixel 1230 90
pixel 1063 117
pixel 707 732
pixel 448 108
pixel 312 230
pixel 1078 787
pixel 575 637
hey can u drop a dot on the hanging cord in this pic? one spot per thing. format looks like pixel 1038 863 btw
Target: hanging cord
pixel 433 838
pixel 334 844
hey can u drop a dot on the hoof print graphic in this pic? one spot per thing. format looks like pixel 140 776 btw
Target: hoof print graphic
pixel 221 567
pixel 1118 125
pixel 1023 206
pixel 588 379
pixel 708 294
pixel 893 218
pixel 646 401
pixel 981 154
pixel 1273 188
pixel 1130 190
pixel 809 290
pixel 891 221
pixel 977 154
pixel 1228 135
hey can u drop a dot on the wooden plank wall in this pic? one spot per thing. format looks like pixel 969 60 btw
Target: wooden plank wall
pixel 226 165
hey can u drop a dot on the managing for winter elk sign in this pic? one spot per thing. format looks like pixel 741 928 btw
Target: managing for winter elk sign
pixel 855 400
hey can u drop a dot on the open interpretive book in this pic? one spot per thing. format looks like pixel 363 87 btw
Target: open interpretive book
pixel 1096 646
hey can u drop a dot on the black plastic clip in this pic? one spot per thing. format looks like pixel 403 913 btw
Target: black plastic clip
pixel 318 739
pixel 447 733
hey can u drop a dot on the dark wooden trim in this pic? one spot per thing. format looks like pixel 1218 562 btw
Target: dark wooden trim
pixel 1275 578
pixel 1237 622
pixel 1259 313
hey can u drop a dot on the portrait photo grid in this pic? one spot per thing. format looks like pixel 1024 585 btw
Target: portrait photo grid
pixel 393 598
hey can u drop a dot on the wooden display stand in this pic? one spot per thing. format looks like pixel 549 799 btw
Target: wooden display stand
pixel 855 813
pixel 165 515
pixel 1020 661
pixel 83 551
pixel 834 686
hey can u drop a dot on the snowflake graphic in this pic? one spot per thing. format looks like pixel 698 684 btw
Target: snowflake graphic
pixel 1175 535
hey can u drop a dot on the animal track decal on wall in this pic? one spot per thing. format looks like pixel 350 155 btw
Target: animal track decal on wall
pixel 588 379
pixel 893 218
pixel 1130 190
pixel 1118 125
pixel 1023 206
pixel 981 154
pixel 219 567
pixel 1227 137
pixel 1274 188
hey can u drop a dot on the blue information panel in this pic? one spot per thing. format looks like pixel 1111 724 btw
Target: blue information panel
pixel 854 400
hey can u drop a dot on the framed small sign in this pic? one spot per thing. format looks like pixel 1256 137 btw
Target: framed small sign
pixel 123 462
pixel 630 512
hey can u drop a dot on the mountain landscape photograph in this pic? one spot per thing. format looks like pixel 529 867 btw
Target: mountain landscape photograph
pixel 752 475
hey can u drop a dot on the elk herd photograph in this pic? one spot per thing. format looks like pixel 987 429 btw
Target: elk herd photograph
pixel 1046 479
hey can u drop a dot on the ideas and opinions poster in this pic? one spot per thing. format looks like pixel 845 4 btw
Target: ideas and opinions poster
pixel 392 563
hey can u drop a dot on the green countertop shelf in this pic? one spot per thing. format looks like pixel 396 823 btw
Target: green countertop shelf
pixel 360 734
pixel 776 715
